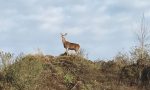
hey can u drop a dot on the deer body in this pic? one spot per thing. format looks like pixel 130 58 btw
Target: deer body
pixel 68 45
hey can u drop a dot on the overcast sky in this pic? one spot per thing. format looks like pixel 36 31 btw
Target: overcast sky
pixel 101 27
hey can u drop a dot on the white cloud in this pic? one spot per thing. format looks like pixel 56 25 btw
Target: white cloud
pixel 51 18
pixel 74 30
pixel 102 22
pixel 141 3
pixel 80 8
pixel 6 25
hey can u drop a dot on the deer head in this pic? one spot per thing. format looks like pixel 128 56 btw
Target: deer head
pixel 63 38
pixel 63 34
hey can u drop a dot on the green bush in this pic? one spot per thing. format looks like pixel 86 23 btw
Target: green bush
pixel 68 78
pixel 22 74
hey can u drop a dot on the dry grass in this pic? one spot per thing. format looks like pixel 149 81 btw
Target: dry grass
pixel 39 72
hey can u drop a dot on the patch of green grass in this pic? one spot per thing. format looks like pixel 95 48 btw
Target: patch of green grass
pixel 68 78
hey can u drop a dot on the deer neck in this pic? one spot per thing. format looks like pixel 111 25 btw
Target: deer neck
pixel 63 40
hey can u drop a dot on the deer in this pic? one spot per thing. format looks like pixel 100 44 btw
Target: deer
pixel 69 45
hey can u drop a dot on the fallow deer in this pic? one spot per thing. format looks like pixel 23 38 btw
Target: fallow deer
pixel 68 45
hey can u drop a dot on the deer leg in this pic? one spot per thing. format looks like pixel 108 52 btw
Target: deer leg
pixel 75 52
pixel 67 51
pixel 78 51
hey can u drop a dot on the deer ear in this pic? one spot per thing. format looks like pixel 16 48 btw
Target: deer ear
pixel 65 33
